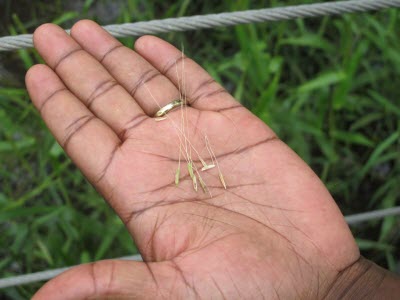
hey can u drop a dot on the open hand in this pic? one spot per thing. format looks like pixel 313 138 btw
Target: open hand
pixel 274 232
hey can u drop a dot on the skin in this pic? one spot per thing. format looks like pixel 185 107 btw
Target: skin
pixel 274 233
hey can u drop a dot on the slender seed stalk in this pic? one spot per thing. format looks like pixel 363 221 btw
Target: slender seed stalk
pixel 195 182
pixel 221 178
pixel 178 170
pixel 207 167
pixel 190 169
pixel 186 148
pixel 214 159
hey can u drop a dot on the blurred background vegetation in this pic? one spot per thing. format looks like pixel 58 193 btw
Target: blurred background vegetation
pixel 329 87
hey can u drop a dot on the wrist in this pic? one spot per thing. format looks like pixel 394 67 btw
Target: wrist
pixel 365 280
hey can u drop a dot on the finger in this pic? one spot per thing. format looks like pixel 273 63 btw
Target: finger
pixel 202 90
pixel 88 79
pixel 145 83
pixel 88 141
pixel 108 279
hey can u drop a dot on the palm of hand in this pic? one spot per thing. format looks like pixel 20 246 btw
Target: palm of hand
pixel 248 230
pixel 274 232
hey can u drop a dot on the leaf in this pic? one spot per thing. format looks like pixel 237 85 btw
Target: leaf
pixel 391 260
pixel 352 137
pixel 106 242
pixel 388 226
pixel 388 105
pixel 8 146
pixel 87 5
pixel 373 245
pixel 322 81
pixel 366 120
pixel 379 150
pixel 45 253
pixel 18 212
pixel 85 257
pixel 56 150
pixel 350 67
pixel 69 15
pixel 309 40
pixel 24 54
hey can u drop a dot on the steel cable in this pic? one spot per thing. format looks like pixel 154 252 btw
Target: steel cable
pixel 9 43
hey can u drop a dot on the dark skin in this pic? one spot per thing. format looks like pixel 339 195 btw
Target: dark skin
pixel 274 233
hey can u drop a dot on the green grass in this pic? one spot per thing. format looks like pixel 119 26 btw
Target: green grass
pixel 329 87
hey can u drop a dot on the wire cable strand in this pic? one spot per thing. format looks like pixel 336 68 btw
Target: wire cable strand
pixel 10 43
pixel 372 215
pixel 45 275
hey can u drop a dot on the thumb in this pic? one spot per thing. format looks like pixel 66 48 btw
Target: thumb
pixel 106 279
